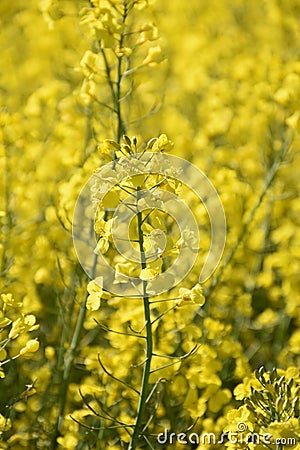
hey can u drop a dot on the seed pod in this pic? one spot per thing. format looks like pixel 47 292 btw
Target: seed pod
pixel 289 386
pixel 276 388
pixel 151 142
pixel 273 375
pixel 109 143
pixel 279 403
pixel 261 371
pixel 127 140
pixel 125 148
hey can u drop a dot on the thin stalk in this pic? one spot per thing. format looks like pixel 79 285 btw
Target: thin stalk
pixel 69 358
pixel 120 123
pixel 116 85
pixel 8 213
pixel 120 126
pixel 108 74
pixel 66 357
pixel 149 345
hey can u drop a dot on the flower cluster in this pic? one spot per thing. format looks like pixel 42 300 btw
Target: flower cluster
pixel 270 410
pixel 14 328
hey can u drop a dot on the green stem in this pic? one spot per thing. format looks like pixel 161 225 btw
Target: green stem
pixel 149 346
pixel 120 126
pixel 108 74
pixel 120 123
pixel 69 359
pixel 7 229
pixel 115 85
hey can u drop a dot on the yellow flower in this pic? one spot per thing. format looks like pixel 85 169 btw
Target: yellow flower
pixel 31 346
pixel 162 144
pixel 123 51
pixel 217 401
pixel 5 424
pixel 194 295
pixel 90 63
pixel 282 96
pixel 22 325
pixel 293 121
pixel 154 56
pixel 267 318
pixel 3 354
pixel 93 302
pixel 10 301
pixel 149 32
pixel 239 420
pixel 95 291
pixel 103 229
pixel 148 274
pixel 288 429
pixel 68 441
pixel 4 321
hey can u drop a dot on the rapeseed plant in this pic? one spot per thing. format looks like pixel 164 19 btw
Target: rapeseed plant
pixel 91 83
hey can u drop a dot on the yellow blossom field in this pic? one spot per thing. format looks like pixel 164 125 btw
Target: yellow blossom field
pixel 149 224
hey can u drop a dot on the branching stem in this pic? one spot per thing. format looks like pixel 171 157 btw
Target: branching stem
pixel 149 344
